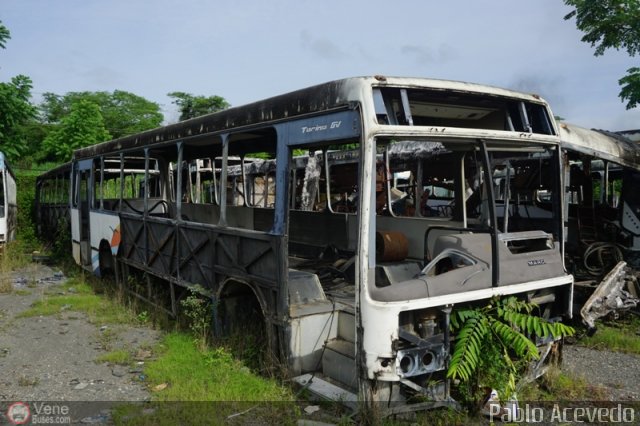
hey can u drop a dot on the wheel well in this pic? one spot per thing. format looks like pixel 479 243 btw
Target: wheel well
pixel 239 305
pixel 240 317
pixel 105 258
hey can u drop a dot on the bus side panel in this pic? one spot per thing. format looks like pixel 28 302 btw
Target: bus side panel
pixel 5 208
pixel 12 210
pixel 75 234
pixel 103 227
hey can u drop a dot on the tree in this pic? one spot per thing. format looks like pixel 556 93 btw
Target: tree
pixel 15 108
pixel 83 126
pixel 194 106
pixel 124 113
pixel 612 24
pixel 15 111
pixel 4 35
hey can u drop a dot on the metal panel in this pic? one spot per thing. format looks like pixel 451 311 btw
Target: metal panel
pixel 322 128
pixel 191 253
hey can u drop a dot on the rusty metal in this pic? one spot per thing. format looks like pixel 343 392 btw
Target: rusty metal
pixel 391 246
pixel 52 216
pixel 195 253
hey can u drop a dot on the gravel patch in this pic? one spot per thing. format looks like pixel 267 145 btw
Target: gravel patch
pixel 618 372
pixel 53 358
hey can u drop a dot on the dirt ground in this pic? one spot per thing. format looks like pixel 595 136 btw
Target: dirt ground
pixel 53 358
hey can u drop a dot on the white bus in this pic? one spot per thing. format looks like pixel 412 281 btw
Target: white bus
pixel 8 203
pixel 301 216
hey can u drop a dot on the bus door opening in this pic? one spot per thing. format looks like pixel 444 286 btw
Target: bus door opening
pixel 82 198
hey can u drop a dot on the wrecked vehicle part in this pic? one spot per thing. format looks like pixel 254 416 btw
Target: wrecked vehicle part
pixel 602 170
pixel 610 296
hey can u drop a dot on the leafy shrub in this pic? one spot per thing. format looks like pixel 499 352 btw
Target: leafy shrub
pixel 493 346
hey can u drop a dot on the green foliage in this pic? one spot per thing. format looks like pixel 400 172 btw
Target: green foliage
pixel 608 24
pixel 4 35
pixel 83 126
pixel 123 113
pixel 193 106
pixel 26 184
pixel 493 343
pixel 198 311
pixel 15 111
pixel 62 246
pixel 612 24
pixel 631 87
pixel 143 317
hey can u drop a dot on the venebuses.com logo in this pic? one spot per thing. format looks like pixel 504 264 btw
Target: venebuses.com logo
pixel 18 413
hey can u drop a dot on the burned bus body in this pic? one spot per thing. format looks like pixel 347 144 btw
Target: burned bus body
pixel 602 171
pixel 344 222
pixel 53 190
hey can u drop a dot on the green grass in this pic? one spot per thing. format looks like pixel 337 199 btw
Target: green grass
pixel 444 417
pixel 205 387
pixel 79 297
pixel 557 385
pixel 619 336
pixel 12 257
pixel 120 357
pixel 211 375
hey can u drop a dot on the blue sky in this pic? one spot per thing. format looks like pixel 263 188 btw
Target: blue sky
pixel 249 50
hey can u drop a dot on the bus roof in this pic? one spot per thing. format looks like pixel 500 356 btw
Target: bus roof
pixel 323 97
pixel 601 144
pixel 59 170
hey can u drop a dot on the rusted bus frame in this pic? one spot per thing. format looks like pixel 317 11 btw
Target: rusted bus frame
pixel 49 214
pixel 239 265
pixel 153 257
pixel 168 254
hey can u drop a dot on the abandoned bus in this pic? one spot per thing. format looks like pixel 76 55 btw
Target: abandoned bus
pixel 602 170
pixel 52 203
pixel 8 203
pixel 343 222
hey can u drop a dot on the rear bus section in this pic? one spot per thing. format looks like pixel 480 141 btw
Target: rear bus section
pixel 602 171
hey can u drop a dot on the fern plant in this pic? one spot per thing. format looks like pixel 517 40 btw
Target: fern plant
pixel 493 346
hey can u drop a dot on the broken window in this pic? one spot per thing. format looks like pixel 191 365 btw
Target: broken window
pixel 438 108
